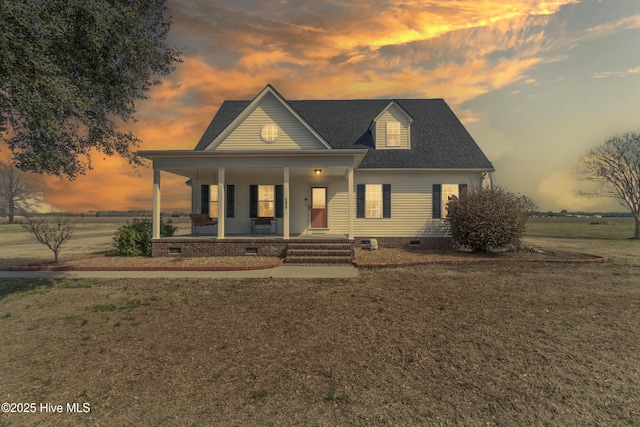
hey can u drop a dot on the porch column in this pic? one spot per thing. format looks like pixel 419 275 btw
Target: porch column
pixel 350 208
pixel 222 199
pixel 156 204
pixel 285 190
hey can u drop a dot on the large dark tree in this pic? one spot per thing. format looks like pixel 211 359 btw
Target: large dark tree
pixel 70 70
pixel 614 168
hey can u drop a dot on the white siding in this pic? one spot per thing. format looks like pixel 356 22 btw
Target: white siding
pixel 411 207
pixel 392 114
pixel 299 189
pixel 293 134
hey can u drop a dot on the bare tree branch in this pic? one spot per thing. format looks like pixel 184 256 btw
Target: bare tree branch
pixel 52 233
pixel 19 192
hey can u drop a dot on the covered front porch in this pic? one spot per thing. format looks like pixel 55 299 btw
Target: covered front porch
pixel 308 194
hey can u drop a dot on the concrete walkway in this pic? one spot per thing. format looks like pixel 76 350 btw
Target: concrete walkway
pixel 285 271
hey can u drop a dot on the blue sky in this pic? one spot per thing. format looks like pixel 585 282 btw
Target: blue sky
pixel 536 83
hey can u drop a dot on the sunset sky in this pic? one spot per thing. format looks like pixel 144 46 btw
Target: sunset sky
pixel 535 82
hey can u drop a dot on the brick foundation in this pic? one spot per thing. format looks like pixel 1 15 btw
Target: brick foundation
pixel 202 247
pixel 423 243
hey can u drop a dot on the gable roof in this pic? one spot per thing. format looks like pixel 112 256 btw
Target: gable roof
pixel 391 104
pixel 239 118
pixel 438 138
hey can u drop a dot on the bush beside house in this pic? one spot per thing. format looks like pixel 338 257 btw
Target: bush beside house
pixel 134 238
pixel 486 219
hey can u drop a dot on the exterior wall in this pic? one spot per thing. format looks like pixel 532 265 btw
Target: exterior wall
pixel 299 193
pixel 411 203
pixel 393 114
pixel 293 134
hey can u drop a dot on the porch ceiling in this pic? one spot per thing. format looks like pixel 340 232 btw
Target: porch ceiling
pixel 302 163
pixel 301 172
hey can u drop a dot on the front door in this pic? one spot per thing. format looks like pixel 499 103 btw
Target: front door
pixel 318 207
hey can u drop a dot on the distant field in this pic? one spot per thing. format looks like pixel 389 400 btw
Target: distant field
pixel 581 228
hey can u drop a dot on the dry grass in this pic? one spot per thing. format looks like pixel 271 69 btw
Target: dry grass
pixel 483 344
pixel 496 344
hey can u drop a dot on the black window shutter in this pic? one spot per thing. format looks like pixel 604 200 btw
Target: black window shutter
pixel 462 190
pixel 231 197
pixel 436 201
pixel 386 200
pixel 253 201
pixel 360 201
pixel 204 199
pixel 279 201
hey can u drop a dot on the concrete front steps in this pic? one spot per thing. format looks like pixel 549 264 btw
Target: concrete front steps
pixel 337 252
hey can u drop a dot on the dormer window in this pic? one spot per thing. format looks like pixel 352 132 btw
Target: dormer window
pixel 393 134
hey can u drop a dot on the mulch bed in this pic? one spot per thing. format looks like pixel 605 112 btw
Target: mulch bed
pixel 383 258
pixel 393 257
pixel 121 263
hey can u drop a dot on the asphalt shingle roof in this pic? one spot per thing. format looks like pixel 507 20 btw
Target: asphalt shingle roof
pixel 438 138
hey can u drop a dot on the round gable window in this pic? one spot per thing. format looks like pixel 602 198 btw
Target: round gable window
pixel 269 133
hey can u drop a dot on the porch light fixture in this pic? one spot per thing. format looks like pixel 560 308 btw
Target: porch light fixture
pixel 317 171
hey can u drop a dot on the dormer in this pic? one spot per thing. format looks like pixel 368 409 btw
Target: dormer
pixel 391 128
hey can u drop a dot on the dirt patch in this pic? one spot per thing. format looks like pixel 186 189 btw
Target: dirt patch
pixel 480 344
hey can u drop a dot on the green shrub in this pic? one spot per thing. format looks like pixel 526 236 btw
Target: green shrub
pixel 134 238
pixel 487 219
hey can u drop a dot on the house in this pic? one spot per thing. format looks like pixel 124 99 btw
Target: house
pixel 270 171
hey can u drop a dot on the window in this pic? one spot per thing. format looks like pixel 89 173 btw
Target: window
pixel 449 192
pixel 393 134
pixel 213 201
pixel 266 200
pixel 269 133
pixel 373 201
pixel 442 194
pixel 209 200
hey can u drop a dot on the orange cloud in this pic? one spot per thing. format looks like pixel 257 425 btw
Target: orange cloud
pixel 318 50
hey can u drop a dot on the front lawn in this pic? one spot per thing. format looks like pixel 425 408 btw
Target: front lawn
pixel 507 344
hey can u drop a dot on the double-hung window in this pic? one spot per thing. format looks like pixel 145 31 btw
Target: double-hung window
pixel 209 200
pixel 442 194
pixel 266 201
pixel 393 134
pixel 213 201
pixel 373 201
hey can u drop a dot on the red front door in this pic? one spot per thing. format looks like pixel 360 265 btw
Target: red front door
pixel 318 207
